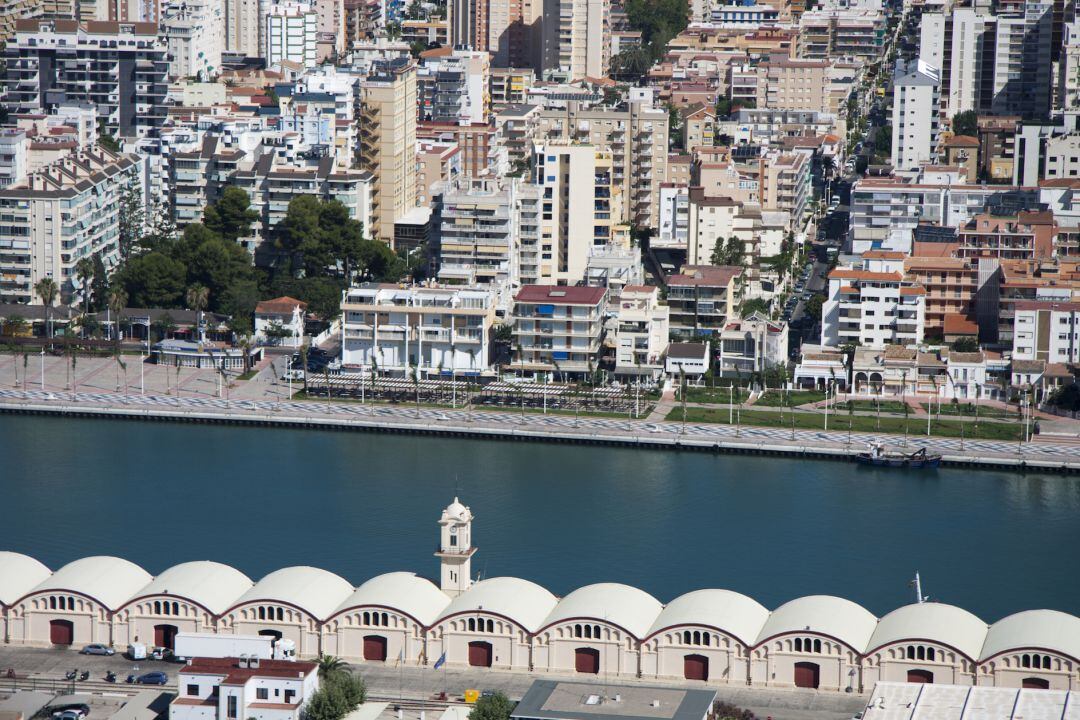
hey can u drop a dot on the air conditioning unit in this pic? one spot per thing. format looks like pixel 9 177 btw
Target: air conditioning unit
pixel 243 661
pixel 253 662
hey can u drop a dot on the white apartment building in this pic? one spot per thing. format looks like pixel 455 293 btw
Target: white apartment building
pixel 231 688
pixel 244 26
pixel 915 115
pixel 953 43
pixel 578 203
pixel 58 215
pixel 673 231
pixel 1068 90
pixel 1047 331
pixel 873 306
pixel 13 165
pixel 577 38
pixel 966 377
pixel 479 233
pixel 559 329
pixel 431 330
pixel 194 32
pixel 641 335
pixel 715 218
pixel 291 34
pixel 455 88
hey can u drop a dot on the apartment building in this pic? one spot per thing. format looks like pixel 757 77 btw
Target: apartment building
pixel 698 126
pixel 718 218
pixel 916 97
pixel 636 134
pixel 1047 331
pixel 752 344
pixel 510 86
pixel 194 33
pixel 950 285
pixel 479 231
pixel 292 30
pixel 703 298
pixel 873 306
pixel 388 141
pixel 271 185
pixel 674 228
pixel 515 33
pixel 1022 236
pixel 785 184
pixel 438 168
pixel 57 215
pixel 430 329
pixel 641 336
pixel 841 33
pixel 453 87
pixel 228 688
pixel 120 68
pixel 580 206
pixel 559 329
pixel 813 85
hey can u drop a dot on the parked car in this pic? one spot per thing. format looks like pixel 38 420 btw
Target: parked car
pixel 80 709
pixel 152 678
pixel 97 649
pixel 69 715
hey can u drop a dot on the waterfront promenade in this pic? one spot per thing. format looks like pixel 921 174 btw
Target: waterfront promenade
pixel 161 393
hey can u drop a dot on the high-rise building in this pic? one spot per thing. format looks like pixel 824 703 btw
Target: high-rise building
pixel 118 67
pixel 454 87
pixel 58 215
pixel 515 33
pixel 916 98
pixel 194 31
pixel 577 38
pixel 579 200
pixel 244 26
pixel 291 34
pixel 388 141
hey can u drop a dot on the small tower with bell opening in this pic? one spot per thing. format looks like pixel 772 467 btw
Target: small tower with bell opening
pixel 455 549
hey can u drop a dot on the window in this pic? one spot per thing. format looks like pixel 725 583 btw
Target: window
pixel 176 608
pixel 192 690
pixel 280 613
pixel 52 603
pixel 289 695
pixel 262 694
pixel 262 613
pixel 157 607
pixel 231 707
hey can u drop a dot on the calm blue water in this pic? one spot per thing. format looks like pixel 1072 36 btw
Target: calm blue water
pixel 359 505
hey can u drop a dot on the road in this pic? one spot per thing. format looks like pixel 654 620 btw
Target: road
pixel 355 414
pixel 386 682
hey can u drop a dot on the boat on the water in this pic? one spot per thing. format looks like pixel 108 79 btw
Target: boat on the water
pixel 879 456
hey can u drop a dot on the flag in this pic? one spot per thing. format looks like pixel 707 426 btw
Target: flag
pixel 441 661
pixel 401 656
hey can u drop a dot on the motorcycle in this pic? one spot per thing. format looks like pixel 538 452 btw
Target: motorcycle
pixel 130 680
pixel 85 675
pixel 110 677
pixel 11 673
pixel 70 675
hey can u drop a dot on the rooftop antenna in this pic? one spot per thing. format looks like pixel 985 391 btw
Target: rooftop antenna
pixel 917 584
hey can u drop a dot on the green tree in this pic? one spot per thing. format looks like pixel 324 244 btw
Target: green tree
pixel 492 707
pixel 965 344
pixel 211 261
pixel 84 271
pixel 99 285
pixel 658 21
pixel 161 231
pixel 301 222
pixel 330 665
pixel 118 300
pixel 813 307
pixel 238 302
pixel 198 297
pixel 132 218
pixel 108 142
pixel 631 63
pixel 47 290
pixel 728 252
pixel 152 280
pixel 759 305
pixel 966 123
pixel 231 216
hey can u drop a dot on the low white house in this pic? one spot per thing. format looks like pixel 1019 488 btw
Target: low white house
pixel 243 689
pixel 280 322
pixel 691 359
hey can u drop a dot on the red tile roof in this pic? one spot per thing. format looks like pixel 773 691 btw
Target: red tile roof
pixel 282 305
pixel 236 675
pixel 560 295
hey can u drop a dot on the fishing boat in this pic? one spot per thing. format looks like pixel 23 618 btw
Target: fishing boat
pixel 876 454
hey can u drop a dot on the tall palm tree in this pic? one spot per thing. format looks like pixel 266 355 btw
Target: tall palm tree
pixel 197 297
pixel 245 342
pixel 84 270
pixel 117 302
pixel 303 364
pixel 47 290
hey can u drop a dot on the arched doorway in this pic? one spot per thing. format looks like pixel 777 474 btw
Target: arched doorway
pixel 587 660
pixel 61 632
pixel 920 676
pixel 165 636
pixel 1036 683
pixel 480 653
pixel 375 648
pixel 876 383
pixel 860 382
pixel 696 667
pixel 807 675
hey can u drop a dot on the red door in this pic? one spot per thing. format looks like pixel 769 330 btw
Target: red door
pixel 1035 683
pixel 165 636
pixel 807 675
pixel 696 667
pixel 61 632
pixel 920 676
pixel 480 653
pixel 375 648
pixel 587 660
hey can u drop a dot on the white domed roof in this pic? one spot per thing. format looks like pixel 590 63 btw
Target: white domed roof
pixel 524 602
pixel 1046 629
pixel 734 613
pixel 825 615
pixel 936 622
pixel 317 592
pixel 110 581
pixel 403 591
pixel 456 511
pixel 628 607
pixel 19 574
pixel 211 584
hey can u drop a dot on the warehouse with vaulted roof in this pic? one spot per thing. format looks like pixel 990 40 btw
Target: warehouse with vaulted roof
pixel 925 642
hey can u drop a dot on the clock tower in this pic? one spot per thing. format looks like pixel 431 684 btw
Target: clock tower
pixel 455 549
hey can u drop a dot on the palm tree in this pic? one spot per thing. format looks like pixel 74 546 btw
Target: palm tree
pixel 84 270
pixel 117 303
pixel 198 296
pixel 330 665
pixel 303 364
pixel 415 375
pixel 47 290
pixel 246 343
